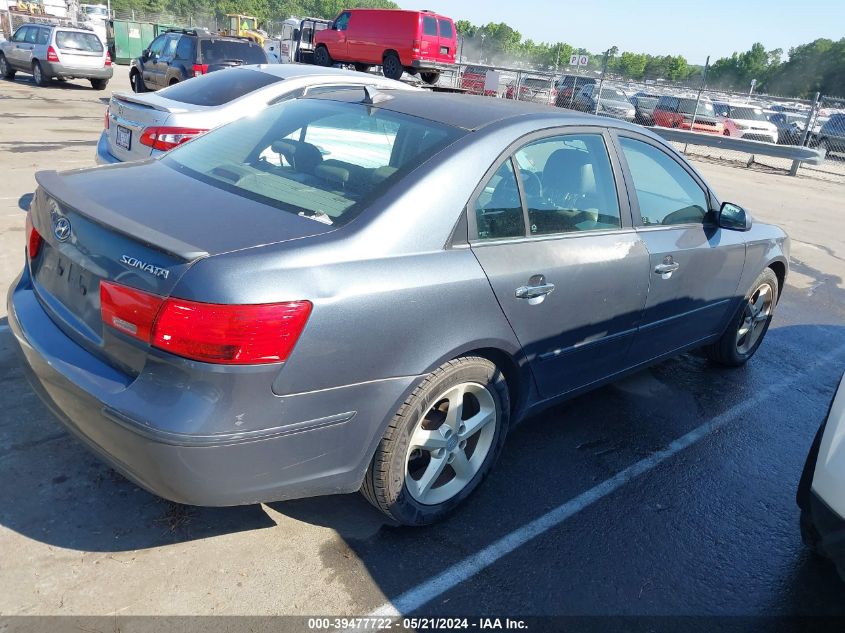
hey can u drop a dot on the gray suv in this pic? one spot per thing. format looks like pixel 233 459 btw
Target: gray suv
pixel 47 51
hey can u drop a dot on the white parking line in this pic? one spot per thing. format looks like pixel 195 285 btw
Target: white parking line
pixel 467 568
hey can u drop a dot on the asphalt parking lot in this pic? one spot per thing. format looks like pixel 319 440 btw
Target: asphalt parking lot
pixel 670 493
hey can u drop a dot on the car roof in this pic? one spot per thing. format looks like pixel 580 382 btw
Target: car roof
pixel 58 26
pixel 292 71
pixel 471 112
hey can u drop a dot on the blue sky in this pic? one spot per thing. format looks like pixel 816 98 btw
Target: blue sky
pixel 693 29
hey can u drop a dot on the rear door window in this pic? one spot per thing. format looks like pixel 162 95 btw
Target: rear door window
pixel 170 45
pixel 220 87
pixel 498 210
pixel 446 30
pixel 43 37
pixel 429 25
pixel 185 48
pixel 216 51
pixel 83 42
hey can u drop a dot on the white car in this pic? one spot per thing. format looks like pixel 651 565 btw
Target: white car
pixel 139 126
pixel 821 493
pixel 745 120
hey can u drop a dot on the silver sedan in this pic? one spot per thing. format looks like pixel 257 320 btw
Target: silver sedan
pixel 139 126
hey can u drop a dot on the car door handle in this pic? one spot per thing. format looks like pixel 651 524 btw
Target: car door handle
pixel 532 292
pixel 662 269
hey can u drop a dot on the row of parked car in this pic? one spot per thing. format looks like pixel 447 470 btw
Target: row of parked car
pixel 739 119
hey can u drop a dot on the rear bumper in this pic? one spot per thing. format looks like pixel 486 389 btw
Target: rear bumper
pixel 321 445
pixel 426 65
pixel 104 156
pixel 54 69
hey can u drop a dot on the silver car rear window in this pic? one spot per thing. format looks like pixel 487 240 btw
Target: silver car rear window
pixel 75 41
pixel 219 87
pixel 321 159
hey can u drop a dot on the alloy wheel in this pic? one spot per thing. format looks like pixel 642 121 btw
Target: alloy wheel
pixel 450 443
pixel 757 312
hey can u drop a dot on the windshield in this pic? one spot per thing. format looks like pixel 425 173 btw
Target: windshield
pixel 613 94
pixel 325 160
pixel 705 108
pixel 74 41
pixel 747 113
pixel 215 89
pixel 216 51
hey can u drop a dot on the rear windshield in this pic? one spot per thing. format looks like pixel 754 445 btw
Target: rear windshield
pixel 646 102
pixel 217 88
pixel 705 108
pixel 74 41
pixel 533 82
pixel 321 159
pixel 613 94
pixel 747 114
pixel 216 51
pixel 446 29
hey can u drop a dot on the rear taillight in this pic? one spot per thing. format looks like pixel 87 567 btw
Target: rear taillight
pixel 108 59
pixel 52 56
pixel 200 69
pixel 416 46
pixel 131 311
pixel 106 121
pixel 33 237
pixel 206 332
pixel 165 138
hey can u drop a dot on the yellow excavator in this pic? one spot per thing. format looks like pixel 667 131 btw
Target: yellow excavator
pixel 244 26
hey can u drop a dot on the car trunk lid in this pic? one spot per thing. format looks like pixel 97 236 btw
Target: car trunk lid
pixel 129 116
pixel 104 225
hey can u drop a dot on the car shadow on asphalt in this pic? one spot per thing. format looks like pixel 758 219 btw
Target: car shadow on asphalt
pixel 54 84
pixel 53 491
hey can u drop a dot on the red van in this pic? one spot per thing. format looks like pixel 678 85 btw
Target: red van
pixel 399 41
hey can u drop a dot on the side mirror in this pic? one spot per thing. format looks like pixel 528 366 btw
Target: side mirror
pixel 295 35
pixel 334 26
pixel 145 54
pixel 733 217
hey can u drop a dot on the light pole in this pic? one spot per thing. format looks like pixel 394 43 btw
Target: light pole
pixel 481 55
pixel 753 83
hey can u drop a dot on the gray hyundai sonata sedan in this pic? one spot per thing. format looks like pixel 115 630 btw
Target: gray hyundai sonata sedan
pixel 364 290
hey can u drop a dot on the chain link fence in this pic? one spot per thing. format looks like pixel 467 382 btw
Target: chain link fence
pixel 686 106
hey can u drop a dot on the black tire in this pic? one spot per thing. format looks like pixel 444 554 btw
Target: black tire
pixel 391 66
pixel 99 84
pixel 137 82
pixel 5 69
pixel 322 57
pixel 38 75
pixel 362 68
pixel 430 78
pixel 385 485
pixel 727 351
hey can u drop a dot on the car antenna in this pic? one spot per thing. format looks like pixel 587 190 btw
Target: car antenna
pixel 373 95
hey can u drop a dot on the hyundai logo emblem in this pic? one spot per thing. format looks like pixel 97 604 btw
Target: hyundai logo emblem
pixel 61 229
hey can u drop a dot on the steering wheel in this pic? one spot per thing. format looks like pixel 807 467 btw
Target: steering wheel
pixel 532 184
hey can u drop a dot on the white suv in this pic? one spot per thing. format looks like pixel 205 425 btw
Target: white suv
pixel 745 120
pixel 821 493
